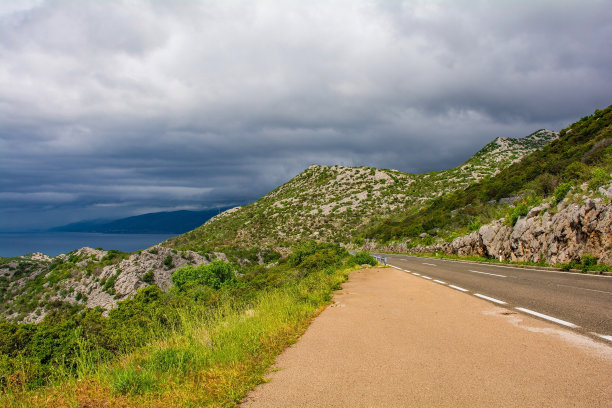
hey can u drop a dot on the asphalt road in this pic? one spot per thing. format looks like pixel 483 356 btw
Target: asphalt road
pixel 577 301
pixel 391 339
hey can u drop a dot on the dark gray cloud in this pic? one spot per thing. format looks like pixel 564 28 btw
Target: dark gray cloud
pixel 109 109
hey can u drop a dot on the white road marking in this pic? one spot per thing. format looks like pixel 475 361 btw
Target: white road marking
pixel 425 263
pixel 416 274
pixel 552 319
pixel 406 270
pixel 439 281
pixel 458 288
pixel 518 268
pixel 487 273
pixel 603 336
pixel 501 302
pixel 425 277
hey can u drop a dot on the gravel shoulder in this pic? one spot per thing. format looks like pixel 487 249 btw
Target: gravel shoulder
pixel 391 339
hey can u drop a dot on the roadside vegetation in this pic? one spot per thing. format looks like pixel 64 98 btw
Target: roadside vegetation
pixel 206 342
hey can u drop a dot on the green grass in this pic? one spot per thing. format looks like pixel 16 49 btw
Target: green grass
pixel 212 358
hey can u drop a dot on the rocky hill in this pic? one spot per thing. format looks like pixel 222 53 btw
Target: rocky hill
pixel 335 203
pixel 577 230
pixel 554 206
pixel 30 285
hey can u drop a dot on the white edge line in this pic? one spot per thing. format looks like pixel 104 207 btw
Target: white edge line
pixel 458 288
pixel 603 336
pixel 488 273
pixel 430 264
pixel 501 302
pixel 439 281
pixel 416 274
pixel 425 277
pixel 552 319
pixel 514 267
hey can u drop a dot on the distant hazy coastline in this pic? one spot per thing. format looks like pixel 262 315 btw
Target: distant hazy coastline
pixel 54 243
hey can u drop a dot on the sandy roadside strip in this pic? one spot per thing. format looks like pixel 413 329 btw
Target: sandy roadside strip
pixel 391 339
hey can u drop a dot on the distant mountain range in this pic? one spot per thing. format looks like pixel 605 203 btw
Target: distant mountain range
pixel 169 222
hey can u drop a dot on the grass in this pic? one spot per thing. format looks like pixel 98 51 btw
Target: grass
pixel 214 359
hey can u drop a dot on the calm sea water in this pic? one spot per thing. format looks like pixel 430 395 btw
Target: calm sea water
pixel 54 243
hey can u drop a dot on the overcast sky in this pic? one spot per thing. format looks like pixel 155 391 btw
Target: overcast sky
pixel 116 108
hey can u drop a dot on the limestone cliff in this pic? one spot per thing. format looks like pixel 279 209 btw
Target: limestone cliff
pixel 554 235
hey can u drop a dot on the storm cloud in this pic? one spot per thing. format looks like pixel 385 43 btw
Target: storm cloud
pixel 110 109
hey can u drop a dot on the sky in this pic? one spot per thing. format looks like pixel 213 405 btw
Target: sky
pixel 122 107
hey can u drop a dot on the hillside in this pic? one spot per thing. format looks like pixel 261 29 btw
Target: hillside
pixel 579 160
pixel 335 203
pixel 553 206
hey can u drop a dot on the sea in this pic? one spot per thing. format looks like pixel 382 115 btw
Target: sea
pixel 54 243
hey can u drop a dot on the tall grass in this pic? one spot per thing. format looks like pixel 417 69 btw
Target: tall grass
pixel 212 359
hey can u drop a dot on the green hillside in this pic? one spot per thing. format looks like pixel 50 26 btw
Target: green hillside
pixel 580 160
pixel 336 203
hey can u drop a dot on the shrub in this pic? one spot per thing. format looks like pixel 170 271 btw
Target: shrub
pixel 212 275
pixel 168 262
pixel 363 258
pixel 113 255
pixel 599 177
pixel 576 171
pixel 148 277
pixel 561 191
pixel 588 261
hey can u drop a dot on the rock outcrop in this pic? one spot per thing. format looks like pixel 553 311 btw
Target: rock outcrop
pixel 556 236
pixel 94 278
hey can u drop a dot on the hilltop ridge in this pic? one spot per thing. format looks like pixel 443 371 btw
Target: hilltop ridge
pixel 336 202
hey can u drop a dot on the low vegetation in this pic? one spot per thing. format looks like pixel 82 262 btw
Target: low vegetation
pixel 204 343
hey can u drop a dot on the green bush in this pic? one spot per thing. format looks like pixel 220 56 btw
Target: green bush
pixel 148 277
pixel 599 177
pixel 588 261
pixel 212 275
pixel 577 171
pixel 364 258
pixel 561 191
pixel 168 262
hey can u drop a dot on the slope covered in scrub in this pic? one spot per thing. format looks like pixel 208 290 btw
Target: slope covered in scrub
pixel 580 161
pixel 336 203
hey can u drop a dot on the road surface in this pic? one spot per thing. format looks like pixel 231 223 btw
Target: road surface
pixel 392 339
pixel 582 302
